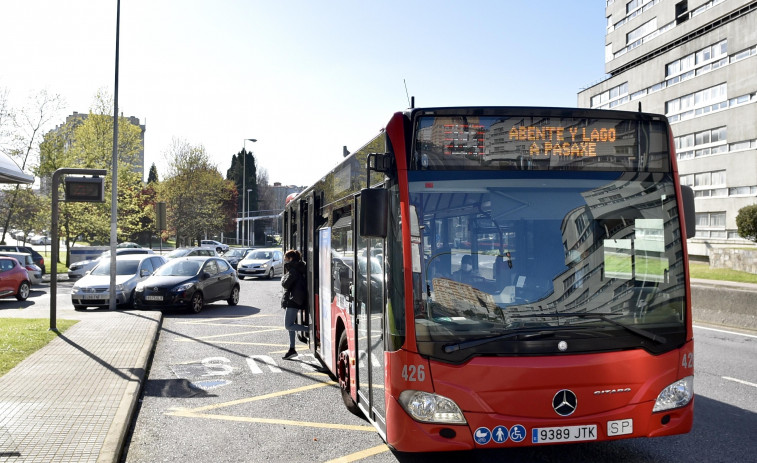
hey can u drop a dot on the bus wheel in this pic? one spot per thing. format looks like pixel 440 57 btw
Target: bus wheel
pixel 343 374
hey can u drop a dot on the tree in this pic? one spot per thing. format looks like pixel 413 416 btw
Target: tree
pixel 88 143
pixel 746 221
pixel 152 177
pixel 195 194
pixel 20 140
pixel 248 169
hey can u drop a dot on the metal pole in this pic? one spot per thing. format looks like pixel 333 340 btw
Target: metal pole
pixel 55 245
pixel 244 177
pixel 114 179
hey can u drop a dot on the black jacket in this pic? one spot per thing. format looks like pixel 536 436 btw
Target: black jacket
pixel 296 274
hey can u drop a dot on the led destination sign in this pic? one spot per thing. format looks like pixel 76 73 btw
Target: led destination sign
pixel 541 143
pixel 559 141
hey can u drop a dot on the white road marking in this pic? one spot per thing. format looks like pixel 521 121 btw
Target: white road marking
pixel 739 381
pixel 725 331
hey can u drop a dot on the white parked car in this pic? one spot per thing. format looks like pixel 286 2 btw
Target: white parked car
pixel 266 262
pixel 219 247
pixel 41 239
pixel 79 269
pixel 93 289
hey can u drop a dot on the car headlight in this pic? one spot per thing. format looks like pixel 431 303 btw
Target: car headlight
pixel 75 289
pixel 431 408
pixel 675 395
pixel 119 287
pixel 182 288
pixel 140 287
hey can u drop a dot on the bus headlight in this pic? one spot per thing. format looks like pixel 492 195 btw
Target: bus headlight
pixel 431 408
pixel 676 395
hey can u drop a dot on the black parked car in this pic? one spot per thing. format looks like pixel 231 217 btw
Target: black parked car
pixel 39 261
pixel 188 282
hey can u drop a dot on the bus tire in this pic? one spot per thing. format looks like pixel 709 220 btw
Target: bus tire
pixel 343 374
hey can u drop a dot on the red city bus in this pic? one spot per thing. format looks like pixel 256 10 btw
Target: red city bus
pixel 531 288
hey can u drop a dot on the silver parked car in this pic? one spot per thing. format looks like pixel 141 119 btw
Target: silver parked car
pixel 190 252
pixel 213 244
pixel 265 262
pixel 79 269
pixel 93 289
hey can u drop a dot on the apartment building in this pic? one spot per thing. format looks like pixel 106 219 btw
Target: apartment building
pixel 696 62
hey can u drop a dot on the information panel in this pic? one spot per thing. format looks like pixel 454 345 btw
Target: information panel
pixel 540 143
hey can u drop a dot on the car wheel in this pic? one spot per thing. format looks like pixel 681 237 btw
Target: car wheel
pixel 79 308
pixel 23 291
pixel 270 274
pixel 129 304
pixel 197 303
pixel 234 296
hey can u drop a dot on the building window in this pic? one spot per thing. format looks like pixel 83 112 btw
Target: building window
pixel 642 31
pixel 612 97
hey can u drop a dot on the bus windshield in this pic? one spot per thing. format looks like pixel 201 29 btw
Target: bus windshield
pixel 562 255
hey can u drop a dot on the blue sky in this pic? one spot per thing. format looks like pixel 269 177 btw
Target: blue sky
pixel 303 77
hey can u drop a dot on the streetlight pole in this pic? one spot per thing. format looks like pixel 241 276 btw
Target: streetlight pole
pixel 248 216
pixel 244 178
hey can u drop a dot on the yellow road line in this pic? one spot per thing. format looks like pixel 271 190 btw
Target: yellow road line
pixel 238 333
pixel 361 454
pixel 230 317
pixel 250 419
pixel 232 325
pixel 259 397
pixel 241 343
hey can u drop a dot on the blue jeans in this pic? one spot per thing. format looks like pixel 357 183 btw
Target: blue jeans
pixel 289 323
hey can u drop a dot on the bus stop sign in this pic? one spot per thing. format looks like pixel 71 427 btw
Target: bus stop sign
pixel 84 189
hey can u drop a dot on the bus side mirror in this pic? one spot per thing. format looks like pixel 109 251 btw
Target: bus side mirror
pixel 374 212
pixel 689 214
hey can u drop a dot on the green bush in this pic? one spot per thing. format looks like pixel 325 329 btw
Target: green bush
pixel 746 221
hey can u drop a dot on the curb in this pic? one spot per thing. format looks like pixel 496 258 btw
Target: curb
pixel 113 445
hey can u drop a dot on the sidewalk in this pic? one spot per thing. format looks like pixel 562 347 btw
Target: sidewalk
pixel 72 400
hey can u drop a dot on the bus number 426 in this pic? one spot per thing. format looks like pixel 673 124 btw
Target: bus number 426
pixel 414 373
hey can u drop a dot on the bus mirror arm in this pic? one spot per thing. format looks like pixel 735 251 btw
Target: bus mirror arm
pixel 689 214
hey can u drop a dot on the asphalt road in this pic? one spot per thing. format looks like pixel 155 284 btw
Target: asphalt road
pixel 218 391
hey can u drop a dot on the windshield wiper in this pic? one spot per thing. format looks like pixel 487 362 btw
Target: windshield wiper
pixel 449 348
pixel 599 316
pixel 604 317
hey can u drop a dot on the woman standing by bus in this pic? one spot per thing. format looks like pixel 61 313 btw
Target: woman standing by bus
pixel 295 295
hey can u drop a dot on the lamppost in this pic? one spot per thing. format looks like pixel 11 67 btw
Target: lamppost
pixel 248 216
pixel 244 178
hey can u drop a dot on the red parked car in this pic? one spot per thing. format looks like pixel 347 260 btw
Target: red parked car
pixel 14 280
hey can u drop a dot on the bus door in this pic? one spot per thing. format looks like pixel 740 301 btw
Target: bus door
pixel 369 320
pixel 308 208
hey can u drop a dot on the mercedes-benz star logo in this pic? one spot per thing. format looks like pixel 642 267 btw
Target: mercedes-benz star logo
pixel 564 402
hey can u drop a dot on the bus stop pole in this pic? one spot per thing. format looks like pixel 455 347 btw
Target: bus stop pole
pixel 55 245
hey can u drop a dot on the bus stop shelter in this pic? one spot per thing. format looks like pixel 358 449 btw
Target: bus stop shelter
pixel 10 172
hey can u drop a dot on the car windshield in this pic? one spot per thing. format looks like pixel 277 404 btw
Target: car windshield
pixel 182 268
pixel 234 253
pixel 177 253
pixel 123 267
pixel 519 252
pixel 260 255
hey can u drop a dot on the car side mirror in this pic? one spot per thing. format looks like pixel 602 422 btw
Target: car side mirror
pixel 205 275
pixel 144 273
